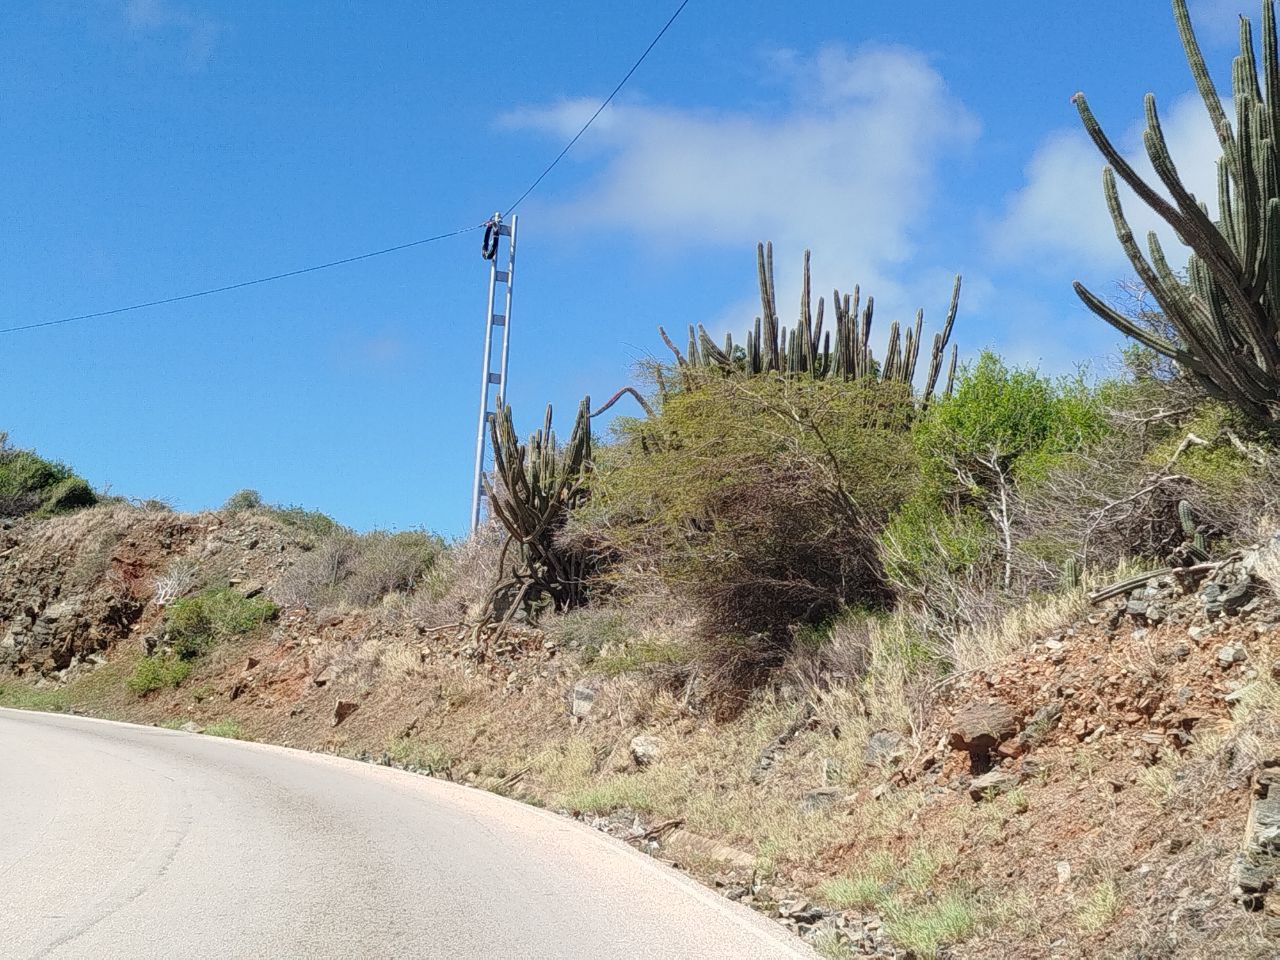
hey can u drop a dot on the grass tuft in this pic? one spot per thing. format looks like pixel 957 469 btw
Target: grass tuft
pixel 158 671
pixel 1101 907
pixel 925 929
pixel 226 728
pixel 21 697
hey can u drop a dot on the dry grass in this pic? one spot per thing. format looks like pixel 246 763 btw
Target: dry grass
pixel 1101 907
pixel 457 585
pixel 1268 567
pixel 983 644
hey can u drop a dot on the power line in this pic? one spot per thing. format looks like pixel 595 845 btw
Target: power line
pixel 599 110
pixel 243 283
pixel 374 253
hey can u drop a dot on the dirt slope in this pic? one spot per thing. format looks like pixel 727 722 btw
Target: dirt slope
pixel 1101 792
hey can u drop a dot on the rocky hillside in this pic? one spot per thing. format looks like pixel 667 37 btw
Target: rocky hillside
pixel 1108 789
pixel 73 589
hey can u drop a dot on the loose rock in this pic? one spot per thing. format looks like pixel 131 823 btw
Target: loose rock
pixel 343 709
pixel 645 749
pixel 992 784
pixel 980 727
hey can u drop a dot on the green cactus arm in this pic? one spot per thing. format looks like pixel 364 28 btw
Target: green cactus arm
pixel 1128 327
pixel 711 353
pixel 1271 65
pixel 1198 227
pixel 1215 245
pixel 1199 72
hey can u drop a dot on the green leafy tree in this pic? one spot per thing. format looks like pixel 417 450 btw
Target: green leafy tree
pixel 1001 428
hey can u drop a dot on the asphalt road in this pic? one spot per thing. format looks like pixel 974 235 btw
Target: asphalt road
pixel 119 841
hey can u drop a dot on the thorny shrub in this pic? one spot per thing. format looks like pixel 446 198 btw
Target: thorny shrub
pixel 457 585
pixel 756 502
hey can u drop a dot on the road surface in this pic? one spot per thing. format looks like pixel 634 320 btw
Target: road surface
pixel 119 841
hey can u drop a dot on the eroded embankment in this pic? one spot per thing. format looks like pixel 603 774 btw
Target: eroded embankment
pixel 1104 791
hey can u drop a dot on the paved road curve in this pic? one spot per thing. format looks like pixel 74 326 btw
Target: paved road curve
pixel 118 841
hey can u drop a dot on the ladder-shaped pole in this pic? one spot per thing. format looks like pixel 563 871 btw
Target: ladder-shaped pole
pixel 490 376
pixel 506 312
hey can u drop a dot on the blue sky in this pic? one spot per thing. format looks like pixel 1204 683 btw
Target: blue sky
pixel 153 147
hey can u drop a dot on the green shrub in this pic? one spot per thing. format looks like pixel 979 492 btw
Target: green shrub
pixel 157 672
pixel 198 622
pixel 590 630
pixel 1217 467
pixel 757 500
pixel 966 535
pixel 928 928
pixel 21 697
pixel 308 521
pixel 22 471
pixel 73 493
pixel 420 756
pixel 928 544
pixel 229 729
pixel 31 484
pixel 642 655
pixel 244 500
pixel 1003 420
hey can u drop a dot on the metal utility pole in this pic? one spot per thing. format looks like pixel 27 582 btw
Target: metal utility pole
pixel 489 376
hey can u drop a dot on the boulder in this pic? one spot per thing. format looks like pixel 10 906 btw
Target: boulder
pixel 1229 655
pixel 1039 726
pixel 820 798
pixel 645 749
pixel 581 698
pixel 981 727
pixel 343 709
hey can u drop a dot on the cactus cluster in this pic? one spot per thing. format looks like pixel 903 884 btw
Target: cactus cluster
pixel 1226 313
pixel 535 485
pixel 806 349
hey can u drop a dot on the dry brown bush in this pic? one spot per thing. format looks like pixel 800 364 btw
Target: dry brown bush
pixel 313 580
pixel 458 583
pixel 346 569
pixel 840 658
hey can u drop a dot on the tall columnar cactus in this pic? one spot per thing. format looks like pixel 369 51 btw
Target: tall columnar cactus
pixel 1071 573
pixel 1194 533
pixel 1227 310
pixel 806 349
pixel 537 484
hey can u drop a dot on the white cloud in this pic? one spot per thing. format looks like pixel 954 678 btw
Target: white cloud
pixel 1217 22
pixel 1061 212
pixel 197 32
pixel 848 166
